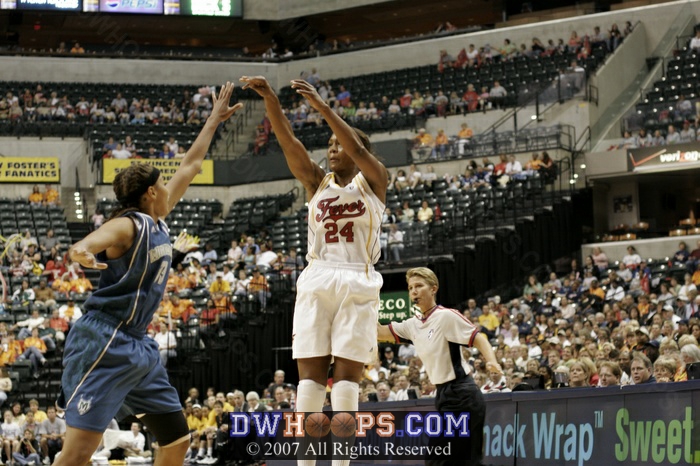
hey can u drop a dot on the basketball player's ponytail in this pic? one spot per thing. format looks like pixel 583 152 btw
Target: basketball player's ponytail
pixel 130 184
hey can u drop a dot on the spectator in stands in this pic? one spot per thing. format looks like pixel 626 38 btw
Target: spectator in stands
pixel 167 344
pixel 407 214
pixel 681 256
pixel 533 287
pixel 395 242
pixel 488 321
pixel 579 374
pixel 59 325
pixel 27 450
pixel 686 288
pixel 687 134
pixel 97 218
pixel 600 259
pixel 44 296
pixel 259 287
pixel 267 259
pixel 598 39
pixel 24 295
pixel 684 109
pixel 120 153
pixel 442 143
pixel 641 369
pixel 77 49
pixel 610 374
pixel 165 153
pixel 210 254
pixel 70 311
pixel 250 246
pixel 658 139
pixel 509 50
pixel 235 253
pixel 615 38
pixel 445 61
pixel 12 351
pixel 384 392
pixel 343 96
pixel 664 369
pixel 628 141
pixel 55 267
pixel 241 285
pixel 34 350
pixel 672 137
pixel 470 99
pixel 497 94
pixel 632 259
pixel 514 169
pixel 39 415
pixel 425 213
pixel 5 387
pixel 49 242
pixel 36 198
pixel 441 103
pixel 695 43
pixel 52 431
pixel 219 285
pixel 643 138
pixel 423 142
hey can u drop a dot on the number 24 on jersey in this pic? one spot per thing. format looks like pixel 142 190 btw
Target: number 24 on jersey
pixel 332 233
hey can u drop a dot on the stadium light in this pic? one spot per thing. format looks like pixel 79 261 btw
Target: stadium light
pixel 583 166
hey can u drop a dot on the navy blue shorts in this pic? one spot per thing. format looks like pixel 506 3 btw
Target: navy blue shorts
pixel 112 372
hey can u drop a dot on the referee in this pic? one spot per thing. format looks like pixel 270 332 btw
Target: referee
pixel 438 335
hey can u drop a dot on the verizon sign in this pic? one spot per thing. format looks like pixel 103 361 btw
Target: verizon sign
pixel 663 156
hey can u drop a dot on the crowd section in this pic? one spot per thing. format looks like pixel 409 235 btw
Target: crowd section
pixel 478 79
pixel 141 118
pixel 312 46
pixel 669 112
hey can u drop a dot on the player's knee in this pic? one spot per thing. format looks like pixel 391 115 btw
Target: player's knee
pixel 169 429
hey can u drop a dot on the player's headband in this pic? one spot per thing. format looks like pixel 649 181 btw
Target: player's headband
pixel 136 195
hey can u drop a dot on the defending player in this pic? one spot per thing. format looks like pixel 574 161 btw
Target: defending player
pixel 338 293
pixel 110 365
pixel 438 335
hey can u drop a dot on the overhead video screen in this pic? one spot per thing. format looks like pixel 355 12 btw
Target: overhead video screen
pixel 204 7
pixel 49 5
pixel 8 4
pixel 149 7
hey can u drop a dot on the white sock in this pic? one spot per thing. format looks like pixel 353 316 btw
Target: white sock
pixel 210 451
pixel 310 398
pixel 344 397
pixel 201 452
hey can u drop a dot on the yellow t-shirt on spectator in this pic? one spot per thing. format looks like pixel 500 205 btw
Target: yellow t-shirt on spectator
pixel 489 321
pixel 51 196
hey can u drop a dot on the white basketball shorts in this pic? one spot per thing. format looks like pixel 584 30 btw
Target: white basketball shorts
pixel 336 312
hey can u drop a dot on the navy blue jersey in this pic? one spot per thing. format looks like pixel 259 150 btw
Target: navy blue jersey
pixel 131 288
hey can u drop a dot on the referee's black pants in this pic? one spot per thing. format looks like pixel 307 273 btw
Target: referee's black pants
pixel 457 396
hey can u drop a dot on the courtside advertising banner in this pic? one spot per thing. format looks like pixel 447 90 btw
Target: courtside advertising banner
pixel 609 426
pixel 30 170
pixel 650 424
pixel 110 168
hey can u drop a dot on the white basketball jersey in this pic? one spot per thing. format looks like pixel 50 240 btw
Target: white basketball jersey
pixel 345 222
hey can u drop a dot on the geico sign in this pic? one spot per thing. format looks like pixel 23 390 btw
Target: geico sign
pixel 392 304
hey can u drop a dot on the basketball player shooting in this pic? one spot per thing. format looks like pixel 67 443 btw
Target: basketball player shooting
pixel 335 315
